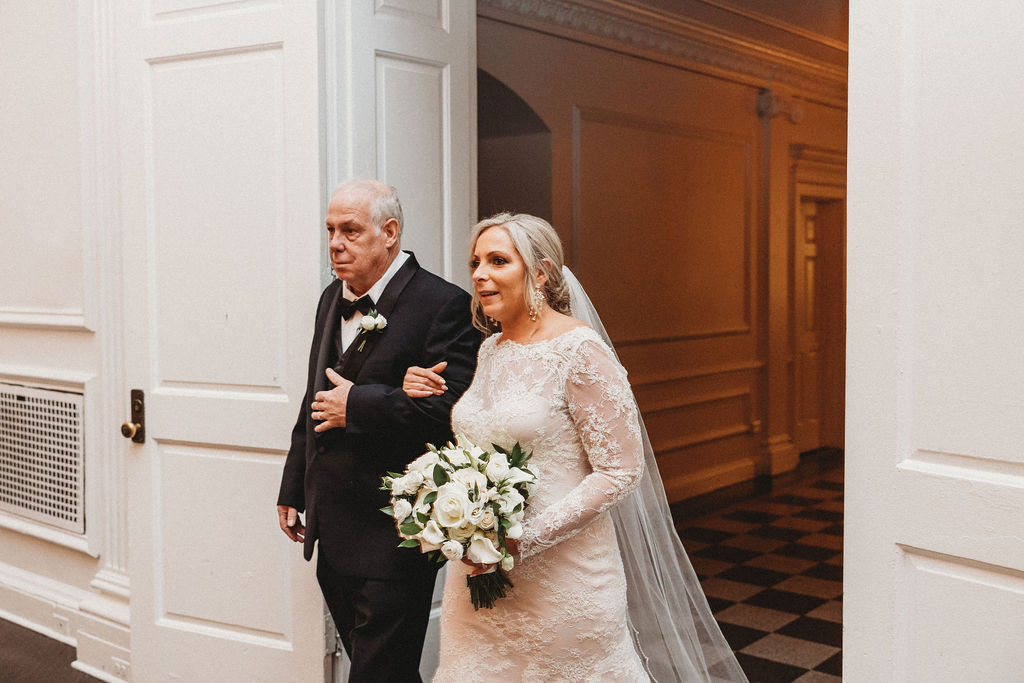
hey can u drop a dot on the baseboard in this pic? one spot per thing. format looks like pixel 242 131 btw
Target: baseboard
pixel 707 480
pixel 781 455
pixel 94 624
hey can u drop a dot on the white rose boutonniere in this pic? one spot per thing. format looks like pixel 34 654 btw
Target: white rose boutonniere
pixel 371 322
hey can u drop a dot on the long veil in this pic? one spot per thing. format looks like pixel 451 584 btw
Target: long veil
pixel 672 624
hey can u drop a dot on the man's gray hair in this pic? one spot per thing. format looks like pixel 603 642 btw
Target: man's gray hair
pixel 384 204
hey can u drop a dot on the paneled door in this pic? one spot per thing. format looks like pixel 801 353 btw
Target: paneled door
pixel 807 331
pixel 221 203
pixel 818 317
pixel 401 107
pixel 934 544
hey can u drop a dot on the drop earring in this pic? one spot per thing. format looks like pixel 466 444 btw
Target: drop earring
pixel 536 302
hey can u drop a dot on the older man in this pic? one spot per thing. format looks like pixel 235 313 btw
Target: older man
pixel 356 424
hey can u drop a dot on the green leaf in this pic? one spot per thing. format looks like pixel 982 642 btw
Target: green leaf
pixel 388 510
pixel 410 528
pixel 430 498
pixel 432 448
pixel 394 475
pixel 440 475
pixel 498 449
pixel 422 517
pixel 409 543
pixel 506 523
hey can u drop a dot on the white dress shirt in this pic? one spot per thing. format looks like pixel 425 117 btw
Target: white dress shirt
pixel 350 328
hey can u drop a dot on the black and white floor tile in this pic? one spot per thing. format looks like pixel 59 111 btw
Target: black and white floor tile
pixel 772 569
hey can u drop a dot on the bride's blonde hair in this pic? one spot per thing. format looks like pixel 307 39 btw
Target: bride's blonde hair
pixel 539 247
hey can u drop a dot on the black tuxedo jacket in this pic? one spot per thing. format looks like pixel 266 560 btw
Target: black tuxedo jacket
pixel 334 476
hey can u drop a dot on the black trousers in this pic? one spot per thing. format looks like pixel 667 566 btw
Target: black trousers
pixel 382 623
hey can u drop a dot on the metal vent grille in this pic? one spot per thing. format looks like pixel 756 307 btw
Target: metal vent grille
pixel 41 456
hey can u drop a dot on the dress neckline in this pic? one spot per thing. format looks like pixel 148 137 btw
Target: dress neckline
pixel 506 342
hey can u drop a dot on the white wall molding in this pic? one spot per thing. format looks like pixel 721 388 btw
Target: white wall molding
pixel 676 40
pixel 94 624
pixel 44 318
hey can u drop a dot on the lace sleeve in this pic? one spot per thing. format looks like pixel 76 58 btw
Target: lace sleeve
pixel 604 413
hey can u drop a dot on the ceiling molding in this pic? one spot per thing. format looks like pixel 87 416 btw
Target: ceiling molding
pixel 778 24
pixel 676 40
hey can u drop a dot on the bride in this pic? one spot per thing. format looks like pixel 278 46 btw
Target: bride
pixel 603 588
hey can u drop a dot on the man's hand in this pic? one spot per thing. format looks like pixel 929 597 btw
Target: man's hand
pixel 291 523
pixel 330 406
pixel 422 382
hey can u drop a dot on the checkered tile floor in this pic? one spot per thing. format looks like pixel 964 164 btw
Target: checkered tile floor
pixel 772 569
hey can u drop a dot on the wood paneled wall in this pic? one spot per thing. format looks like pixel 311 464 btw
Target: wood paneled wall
pixel 660 190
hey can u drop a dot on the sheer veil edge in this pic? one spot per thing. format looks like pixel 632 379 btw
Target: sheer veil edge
pixel 672 624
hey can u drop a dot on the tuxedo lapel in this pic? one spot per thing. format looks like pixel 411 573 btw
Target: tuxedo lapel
pixel 362 346
pixel 328 334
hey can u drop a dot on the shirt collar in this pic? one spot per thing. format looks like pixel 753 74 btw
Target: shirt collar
pixel 380 285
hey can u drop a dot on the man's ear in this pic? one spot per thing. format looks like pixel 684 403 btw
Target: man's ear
pixel 390 230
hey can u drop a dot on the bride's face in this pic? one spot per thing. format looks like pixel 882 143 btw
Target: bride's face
pixel 499 275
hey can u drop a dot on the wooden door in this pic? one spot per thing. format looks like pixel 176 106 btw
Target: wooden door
pixel 807 333
pixel 819 325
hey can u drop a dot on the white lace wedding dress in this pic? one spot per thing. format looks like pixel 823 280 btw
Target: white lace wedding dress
pixel 566 399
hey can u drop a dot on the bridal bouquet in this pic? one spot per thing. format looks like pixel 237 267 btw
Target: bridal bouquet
pixel 462 501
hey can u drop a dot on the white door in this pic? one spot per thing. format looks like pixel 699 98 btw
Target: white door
pixel 401 107
pixel 221 206
pixel 934 553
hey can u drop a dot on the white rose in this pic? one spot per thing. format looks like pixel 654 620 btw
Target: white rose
pixel 475 453
pixel 518 476
pixel 508 562
pixel 432 534
pixel 497 467
pixel 482 550
pixel 515 531
pixel 425 464
pixel 456 456
pixel 381 322
pixel 367 322
pixel 508 501
pixel 398 486
pixel 402 508
pixel 452 550
pixel 463 532
pixel 476 515
pixel 487 519
pixel 452 504
pixel 419 505
pixel 469 476
pixel 406 485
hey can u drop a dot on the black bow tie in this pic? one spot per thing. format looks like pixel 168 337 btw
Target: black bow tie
pixel 363 304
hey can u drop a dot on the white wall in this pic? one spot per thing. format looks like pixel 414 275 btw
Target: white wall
pixel 56 206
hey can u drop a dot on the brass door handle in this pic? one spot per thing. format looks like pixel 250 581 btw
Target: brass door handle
pixel 135 428
pixel 130 429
